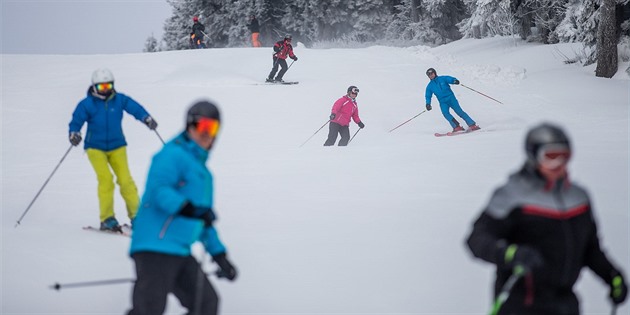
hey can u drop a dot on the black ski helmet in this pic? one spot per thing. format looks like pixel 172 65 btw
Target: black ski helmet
pixel 202 109
pixel 541 135
pixel 352 88
pixel 288 36
pixel 431 70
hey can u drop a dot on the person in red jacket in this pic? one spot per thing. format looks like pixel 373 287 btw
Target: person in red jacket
pixel 343 109
pixel 282 49
pixel 541 227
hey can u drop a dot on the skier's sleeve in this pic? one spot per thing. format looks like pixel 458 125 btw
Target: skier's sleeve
pixel 337 106
pixel 491 229
pixel 355 116
pixel 428 93
pixel 79 117
pixel 449 79
pixel 211 241
pixel 291 54
pixel 134 108
pixel 594 257
pixel 163 178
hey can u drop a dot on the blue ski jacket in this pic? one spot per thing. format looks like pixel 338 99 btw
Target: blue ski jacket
pixel 440 86
pixel 104 119
pixel 177 174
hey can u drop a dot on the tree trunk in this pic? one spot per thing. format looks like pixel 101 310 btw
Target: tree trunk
pixel 415 13
pixel 606 41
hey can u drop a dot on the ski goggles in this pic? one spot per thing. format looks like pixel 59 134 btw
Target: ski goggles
pixel 355 90
pixel 208 126
pixel 104 86
pixel 553 155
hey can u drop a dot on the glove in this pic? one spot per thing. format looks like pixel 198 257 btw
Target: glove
pixel 332 116
pixel 429 107
pixel 294 58
pixel 456 81
pixel 150 122
pixel 618 289
pixel 361 125
pixel 227 269
pixel 75 138
pixel 190 211
pixel 522 255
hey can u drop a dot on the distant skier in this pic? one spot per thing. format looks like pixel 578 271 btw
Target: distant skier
pixel 342 111
pixel 283 49
pixel 105 143
pixel 254 28
pixel 541 223
pixel 177 211
pixel 197 34
pixel 440 86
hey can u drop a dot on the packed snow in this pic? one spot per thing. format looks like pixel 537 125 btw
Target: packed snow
pixel 377 227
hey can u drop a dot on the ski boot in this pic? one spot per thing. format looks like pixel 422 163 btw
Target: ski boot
pixel 111 224
pixel 473 127
pixel 458 128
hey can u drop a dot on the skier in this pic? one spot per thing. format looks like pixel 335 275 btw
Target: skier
pixel 283 49
pixel 544 224
pixel 177 211
pixel 197 34
pixel 344 108
pixel 254 27
pixel 105 143
pixel 440 86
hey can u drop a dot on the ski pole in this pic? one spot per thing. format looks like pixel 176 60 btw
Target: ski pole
pixel 354 135
pixel 320 128
pixel 159 135
pixel 40 190
pixel 59 286
pixel 481 93
pixel 519 272
pixel 289 67
pixel 614 309
pixel 408 120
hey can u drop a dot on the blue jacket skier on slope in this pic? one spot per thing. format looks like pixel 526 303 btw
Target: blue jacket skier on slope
pixel 177 211
pixel 440 86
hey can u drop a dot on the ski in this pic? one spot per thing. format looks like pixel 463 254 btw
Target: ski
pixel 455 133
pixel 283 83
pixel 126 230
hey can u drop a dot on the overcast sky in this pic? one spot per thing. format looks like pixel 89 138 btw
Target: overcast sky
pixel 80 26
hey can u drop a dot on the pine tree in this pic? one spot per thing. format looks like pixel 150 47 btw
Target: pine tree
pixel 607 41
pixel 151 44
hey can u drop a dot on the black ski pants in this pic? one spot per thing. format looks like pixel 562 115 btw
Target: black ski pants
pixel 278 62
pixel 159 274
pixel 333 130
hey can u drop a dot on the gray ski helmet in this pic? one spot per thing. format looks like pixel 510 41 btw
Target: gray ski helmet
pixel 202 109
pixel 431 70
pixel 288 36
pixel 541 135
pixel 353 88
pixel 102 75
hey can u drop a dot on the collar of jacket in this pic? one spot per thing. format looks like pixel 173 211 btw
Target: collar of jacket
pixel 191 146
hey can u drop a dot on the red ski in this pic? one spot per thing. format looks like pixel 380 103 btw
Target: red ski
pixel 454 133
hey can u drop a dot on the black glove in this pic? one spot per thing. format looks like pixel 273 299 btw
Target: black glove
pixel 618 289
pixel 429 107
pixel 75 138
pixel 294 58
pixel 150 122
pixel 332 116
pixel 456 81
pixel 227 269
pixel 361 125
pixel 522 255
pixel 205 214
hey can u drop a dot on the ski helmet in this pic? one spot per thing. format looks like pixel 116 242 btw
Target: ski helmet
pixel 288 37
pixel 353 89
pixel 202 109
pixel 195 19
pixel 431 70
pixel 542 135
pixel 102 75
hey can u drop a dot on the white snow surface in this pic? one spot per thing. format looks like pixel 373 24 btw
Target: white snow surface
pixel 377 227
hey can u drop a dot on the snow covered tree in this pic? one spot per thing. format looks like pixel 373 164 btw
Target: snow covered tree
pixel 607 41
pixel 151 44
pixel 178 27
pixel 431 21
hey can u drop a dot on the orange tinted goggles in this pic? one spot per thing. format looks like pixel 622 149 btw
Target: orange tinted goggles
pixel 209 126
pixel 104 86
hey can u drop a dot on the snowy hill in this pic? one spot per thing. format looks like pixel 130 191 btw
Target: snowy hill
pixel 377 227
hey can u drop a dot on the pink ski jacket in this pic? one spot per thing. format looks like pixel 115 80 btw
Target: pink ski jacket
pixel 345 108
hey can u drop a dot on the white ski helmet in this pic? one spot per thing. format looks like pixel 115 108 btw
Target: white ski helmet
pixel 102 75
